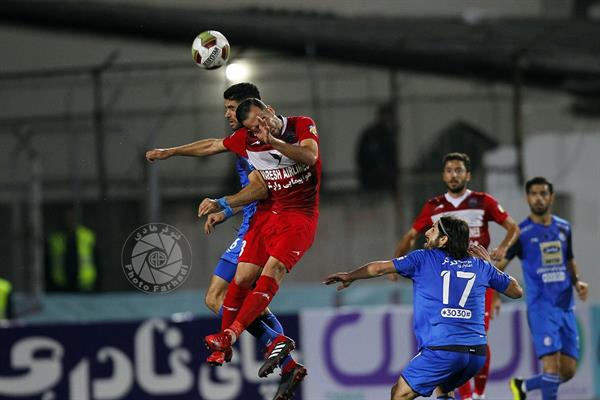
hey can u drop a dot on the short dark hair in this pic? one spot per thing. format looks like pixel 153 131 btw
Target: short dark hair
pixel 458 157
pixel 241 113
pixel 241 91
pixel 538 180
pixel 457 232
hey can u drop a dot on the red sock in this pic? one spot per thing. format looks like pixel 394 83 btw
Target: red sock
pixel 482 375
pixel 465 390
pixel 255 303
pixel 234 298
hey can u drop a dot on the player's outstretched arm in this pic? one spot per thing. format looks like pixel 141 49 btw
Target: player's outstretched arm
pixel 367 271
pixel 255 190
pixel 200 148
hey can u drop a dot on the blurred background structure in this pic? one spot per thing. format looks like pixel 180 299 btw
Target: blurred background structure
pixel 87 87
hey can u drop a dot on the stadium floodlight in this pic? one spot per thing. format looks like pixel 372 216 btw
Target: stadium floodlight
pixel 237 72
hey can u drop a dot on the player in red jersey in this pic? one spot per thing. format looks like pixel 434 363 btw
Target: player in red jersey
pixel 477 209
pixel 285 153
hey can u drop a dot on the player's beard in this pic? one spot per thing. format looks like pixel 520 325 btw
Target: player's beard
pixel 457 189
pixel 433 243
pixel 539 210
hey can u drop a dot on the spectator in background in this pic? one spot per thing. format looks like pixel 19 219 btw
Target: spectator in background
pixel 376 154
pixel 71 257
pixel 6 310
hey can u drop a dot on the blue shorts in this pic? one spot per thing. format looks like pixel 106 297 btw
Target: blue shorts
pixel 228 263
pixel 553 330
pixel 225 270
pixel 233 252
pixel 448 369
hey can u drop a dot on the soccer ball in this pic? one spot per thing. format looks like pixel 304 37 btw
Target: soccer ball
pixel 210 50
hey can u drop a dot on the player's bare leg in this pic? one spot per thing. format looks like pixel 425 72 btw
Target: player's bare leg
pixel 550 378
pixel 216 293
pixel 551 363
pixel 245 276
pixel 401 391
pixel 567 367
pixel 440 394
pixel 548 381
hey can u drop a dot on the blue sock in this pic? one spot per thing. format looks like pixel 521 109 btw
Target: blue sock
pixel 444 397
pixel 266 328
pixel 533 383
pixel 274 323
pixel 261 331
pixel 549 386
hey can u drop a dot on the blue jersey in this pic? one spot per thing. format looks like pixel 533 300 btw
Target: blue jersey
pixel 545 251
pixel 243 168
pixel 449 296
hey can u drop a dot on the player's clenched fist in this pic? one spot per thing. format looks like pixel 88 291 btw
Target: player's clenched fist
pixel 342 277
pixel 208 206
pixel 582 290
pixel 158 154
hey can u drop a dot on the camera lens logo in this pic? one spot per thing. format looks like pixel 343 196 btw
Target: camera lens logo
pixel 156 258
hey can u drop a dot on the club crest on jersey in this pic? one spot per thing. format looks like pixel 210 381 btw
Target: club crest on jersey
pixel 562 236
pixel 473 202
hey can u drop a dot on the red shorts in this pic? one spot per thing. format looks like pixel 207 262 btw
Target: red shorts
pixel 489 297
pixel 285 235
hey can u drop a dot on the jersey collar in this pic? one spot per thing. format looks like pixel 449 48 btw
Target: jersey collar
pixel 455 201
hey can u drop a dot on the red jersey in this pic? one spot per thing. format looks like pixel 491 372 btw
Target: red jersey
pixel 476 208
pixel 292 185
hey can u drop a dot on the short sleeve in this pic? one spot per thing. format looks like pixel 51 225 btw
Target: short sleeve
pixel 494 210
pixel 236 142
pixel 515 250
pixel 408 265
pixel 423 221
pixel 498 280
pixel 306 129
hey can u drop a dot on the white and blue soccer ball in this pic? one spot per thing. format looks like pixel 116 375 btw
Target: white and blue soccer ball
pixel 210 50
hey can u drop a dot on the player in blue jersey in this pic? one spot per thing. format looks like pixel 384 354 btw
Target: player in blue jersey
pixel 449 283
pixel 267 327
pixel 545 249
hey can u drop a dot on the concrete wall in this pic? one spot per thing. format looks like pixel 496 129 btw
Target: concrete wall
pixel 178 106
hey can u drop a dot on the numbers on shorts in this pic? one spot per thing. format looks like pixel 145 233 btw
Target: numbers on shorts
pixel 243 247
pixel 234 244
pixel 446 288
